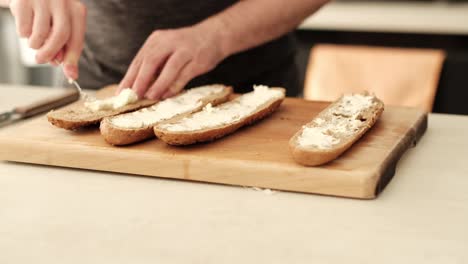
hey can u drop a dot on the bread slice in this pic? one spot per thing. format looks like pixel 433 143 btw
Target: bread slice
pixel 137 126
pixel 77 115
pixel 335 129
pixel 215 122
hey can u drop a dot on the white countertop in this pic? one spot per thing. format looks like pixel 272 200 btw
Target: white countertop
pixel 57 215
pixel 400 17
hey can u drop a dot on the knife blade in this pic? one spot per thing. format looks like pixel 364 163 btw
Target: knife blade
pixel 38 107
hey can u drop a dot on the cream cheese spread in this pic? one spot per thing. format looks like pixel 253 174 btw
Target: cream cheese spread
pixel 315 136
pixel 227 113
pixel 125 97
pixel 351 105
pixel 344 121
pixel 184 103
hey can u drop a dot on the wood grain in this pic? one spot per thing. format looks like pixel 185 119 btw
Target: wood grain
pixel 254 156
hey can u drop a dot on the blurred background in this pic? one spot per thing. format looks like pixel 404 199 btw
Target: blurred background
pixel 416 49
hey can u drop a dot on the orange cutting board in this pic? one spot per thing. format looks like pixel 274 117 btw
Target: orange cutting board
pixel 256 156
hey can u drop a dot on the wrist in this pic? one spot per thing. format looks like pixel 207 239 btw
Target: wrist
pixel 219 33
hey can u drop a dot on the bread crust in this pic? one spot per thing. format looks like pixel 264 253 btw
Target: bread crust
pixel 118 137
pixel 121 136
pixel 77 116
pixel 310 156
pixel 211 134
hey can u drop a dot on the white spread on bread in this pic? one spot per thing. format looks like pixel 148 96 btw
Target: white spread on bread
pixel 352 105
pixel 169 108
pixel 226 113
pixel 125 97
pixel 345 120
pixel 315 136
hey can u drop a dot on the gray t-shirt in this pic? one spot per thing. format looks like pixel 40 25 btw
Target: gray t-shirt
pixel 116 30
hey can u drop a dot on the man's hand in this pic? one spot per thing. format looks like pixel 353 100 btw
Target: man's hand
pixel 55 28
pixel 169 59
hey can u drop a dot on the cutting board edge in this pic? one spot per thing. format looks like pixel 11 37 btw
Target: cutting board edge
pixel 355 184
pixel 408 140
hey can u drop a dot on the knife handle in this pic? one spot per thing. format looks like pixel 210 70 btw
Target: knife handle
pixel 47 104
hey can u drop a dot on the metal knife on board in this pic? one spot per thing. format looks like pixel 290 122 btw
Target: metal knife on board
pixel 39 107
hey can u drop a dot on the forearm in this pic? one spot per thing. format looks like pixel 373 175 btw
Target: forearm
pixel 250 23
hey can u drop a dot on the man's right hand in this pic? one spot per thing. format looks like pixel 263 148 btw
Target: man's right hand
pixel 55 28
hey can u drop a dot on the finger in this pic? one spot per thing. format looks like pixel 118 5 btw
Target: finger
pixel 167 94
pixel 59 36
pixel 190 71
pixel 40 26
pixel 75 44
pixel 176 88
pixel 130 76
pixel 59 58
pixel 147 73
pixel 168 75
pixel 23 13
pixel 144 77
pixel 185 75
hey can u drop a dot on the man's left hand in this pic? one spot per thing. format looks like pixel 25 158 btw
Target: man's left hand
pixel 169 59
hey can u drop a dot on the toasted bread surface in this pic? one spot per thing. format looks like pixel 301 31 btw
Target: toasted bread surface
pixel 336 130
pixel 213 132
pixel 121 135
pixel 77 115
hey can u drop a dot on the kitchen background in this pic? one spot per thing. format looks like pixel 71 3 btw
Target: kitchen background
pixel 410 24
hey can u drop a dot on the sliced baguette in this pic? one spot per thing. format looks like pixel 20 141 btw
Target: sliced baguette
pixel 77 116
pixel 215 122
pixel 335 129
pixel 117 131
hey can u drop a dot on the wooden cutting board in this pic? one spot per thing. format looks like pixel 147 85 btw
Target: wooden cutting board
pixel 256 156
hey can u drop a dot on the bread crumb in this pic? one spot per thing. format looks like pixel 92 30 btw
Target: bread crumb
pixel 208 108
pixel 265 191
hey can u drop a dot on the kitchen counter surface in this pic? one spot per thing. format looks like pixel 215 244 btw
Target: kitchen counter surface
pixel 392 16
pixel 59 215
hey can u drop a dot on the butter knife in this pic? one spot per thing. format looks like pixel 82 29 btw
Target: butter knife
pixel 39 107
